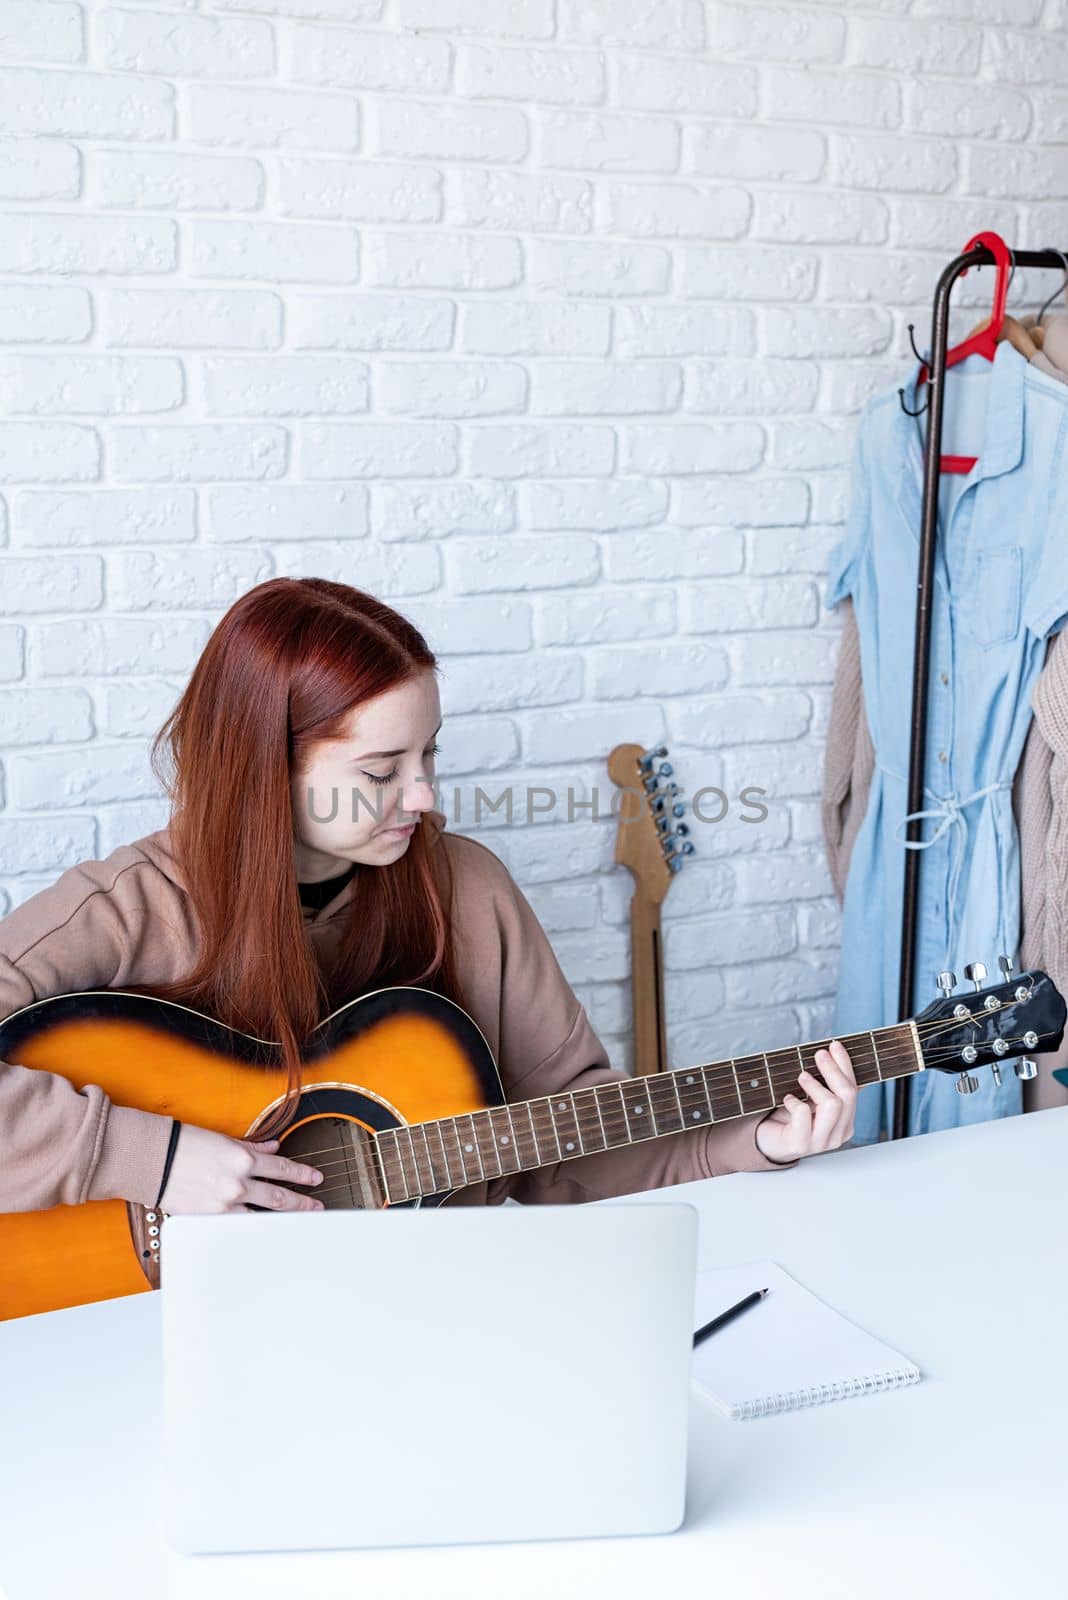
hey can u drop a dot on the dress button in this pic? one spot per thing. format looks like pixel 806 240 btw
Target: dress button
pixel 944 676
pixel 942 756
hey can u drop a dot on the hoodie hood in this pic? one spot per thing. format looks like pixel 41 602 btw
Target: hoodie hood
pixel 158 848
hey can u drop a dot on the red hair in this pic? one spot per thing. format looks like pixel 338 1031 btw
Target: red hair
pixel 282 671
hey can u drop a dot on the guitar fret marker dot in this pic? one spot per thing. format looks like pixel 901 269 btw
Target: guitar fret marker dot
pixel 469 1147
pixel 569 1146
pixel 562 1106
pixel 696 1115
pixel 638 1110
pixel 689 1080
pixel 753 1083
pixel 504 1138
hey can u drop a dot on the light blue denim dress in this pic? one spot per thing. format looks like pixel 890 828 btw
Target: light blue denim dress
pixel 1000 589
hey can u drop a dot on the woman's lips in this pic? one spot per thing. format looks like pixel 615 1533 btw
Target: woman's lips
pixel 397 832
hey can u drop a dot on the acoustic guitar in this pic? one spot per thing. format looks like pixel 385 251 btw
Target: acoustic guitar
pixel 402 1104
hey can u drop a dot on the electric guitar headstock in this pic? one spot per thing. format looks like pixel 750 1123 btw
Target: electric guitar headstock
pixel 985 1028
pixel 650 803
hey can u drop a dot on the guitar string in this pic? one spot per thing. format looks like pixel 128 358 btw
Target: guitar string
pixel 728 1103
pixel 892 1054
pixel 402 1158
pixel 723 1100
pixel 332 1188
pixel 865 1040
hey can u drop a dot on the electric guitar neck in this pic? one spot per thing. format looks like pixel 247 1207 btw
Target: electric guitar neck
pixel 654 854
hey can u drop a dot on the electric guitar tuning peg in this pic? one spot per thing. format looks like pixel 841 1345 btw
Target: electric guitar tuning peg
pixel 966 1084
pixel 675 846
pixel 1025 1068
pixel 976 973
pixel 659 798
pixel 1005 963
pixel 947 982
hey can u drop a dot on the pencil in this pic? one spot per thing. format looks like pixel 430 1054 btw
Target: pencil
pixel 728 1315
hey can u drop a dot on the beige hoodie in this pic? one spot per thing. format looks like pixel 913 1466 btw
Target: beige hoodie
pixel 128 919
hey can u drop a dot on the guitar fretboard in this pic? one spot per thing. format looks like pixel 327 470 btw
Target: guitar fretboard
pixel 427 1158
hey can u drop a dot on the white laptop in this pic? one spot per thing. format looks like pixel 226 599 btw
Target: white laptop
pixel 347 1379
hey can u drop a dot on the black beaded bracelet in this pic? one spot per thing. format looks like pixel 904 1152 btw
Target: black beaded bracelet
pixel 170 1157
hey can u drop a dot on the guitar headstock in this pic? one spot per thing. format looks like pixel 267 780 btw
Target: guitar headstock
pixel 651 802
pixel 1021 1016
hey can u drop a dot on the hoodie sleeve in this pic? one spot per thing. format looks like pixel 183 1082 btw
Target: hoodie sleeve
pixel 537 1004
pixel 59 1144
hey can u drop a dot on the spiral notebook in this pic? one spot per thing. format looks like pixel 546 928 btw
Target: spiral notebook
pixel 788 1351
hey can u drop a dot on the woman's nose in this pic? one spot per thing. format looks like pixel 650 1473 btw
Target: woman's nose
pixel 418 797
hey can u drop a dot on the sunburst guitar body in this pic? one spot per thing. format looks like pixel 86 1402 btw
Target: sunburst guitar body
pixel 392 1058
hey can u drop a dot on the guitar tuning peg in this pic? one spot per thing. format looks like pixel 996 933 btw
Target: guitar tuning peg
pixel 665 769
pixel 975 973
pixel 966 1084
pixel 674 846
pixel 1025 1068
pixel 947 982
pixel 995 1071
pixel 647 757
pixel 1005 963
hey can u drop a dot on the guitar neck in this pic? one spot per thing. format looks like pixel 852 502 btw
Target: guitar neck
pixel 426 1158
pixel 647 986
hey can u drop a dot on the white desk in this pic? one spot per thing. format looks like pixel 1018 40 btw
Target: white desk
pixel 952 1247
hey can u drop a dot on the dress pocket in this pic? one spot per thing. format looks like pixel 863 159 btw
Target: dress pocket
pixel 992 613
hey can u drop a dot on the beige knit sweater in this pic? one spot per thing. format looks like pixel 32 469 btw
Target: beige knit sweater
pixel 1040 805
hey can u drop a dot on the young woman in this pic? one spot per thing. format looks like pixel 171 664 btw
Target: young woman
pixel 303 865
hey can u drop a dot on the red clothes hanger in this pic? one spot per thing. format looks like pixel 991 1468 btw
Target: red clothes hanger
pixel 985 341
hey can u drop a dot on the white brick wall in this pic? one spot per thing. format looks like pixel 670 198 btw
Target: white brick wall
pixel 548 321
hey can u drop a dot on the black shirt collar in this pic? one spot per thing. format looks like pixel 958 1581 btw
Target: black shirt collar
pixel 320 894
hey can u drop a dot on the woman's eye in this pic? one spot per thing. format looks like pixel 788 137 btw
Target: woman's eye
pixel 434 750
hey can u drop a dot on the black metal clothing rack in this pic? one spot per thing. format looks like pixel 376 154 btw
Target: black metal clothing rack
pixel 979 256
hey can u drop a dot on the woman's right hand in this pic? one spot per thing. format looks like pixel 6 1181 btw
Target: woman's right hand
pixel 212 1172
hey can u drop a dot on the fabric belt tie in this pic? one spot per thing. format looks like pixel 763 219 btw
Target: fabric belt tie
pixel 951 811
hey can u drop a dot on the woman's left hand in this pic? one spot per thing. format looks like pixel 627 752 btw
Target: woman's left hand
pixel 823 1121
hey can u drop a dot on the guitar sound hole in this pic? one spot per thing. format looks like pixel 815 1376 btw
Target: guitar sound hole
pixel 342 1150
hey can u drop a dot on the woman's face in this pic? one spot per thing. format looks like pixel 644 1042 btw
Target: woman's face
pixel 355 793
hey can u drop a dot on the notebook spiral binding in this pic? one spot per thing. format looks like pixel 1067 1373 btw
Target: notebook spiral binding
pixel 819 1394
